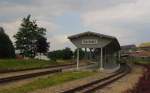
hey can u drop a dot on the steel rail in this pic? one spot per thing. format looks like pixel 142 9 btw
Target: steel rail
pixel 37 68
pixel 26 76
pixel 34 74
pixel 98 84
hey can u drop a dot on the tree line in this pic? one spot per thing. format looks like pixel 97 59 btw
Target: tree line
pixel 65 54
pixel 30 40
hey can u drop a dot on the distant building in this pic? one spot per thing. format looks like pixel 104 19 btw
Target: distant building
pixel 141 54
pixel 127 49
pixel 38 56
pixel 41 57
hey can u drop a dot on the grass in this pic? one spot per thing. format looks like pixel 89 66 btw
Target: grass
pixel 143 62
pixel 25 64
pixel 47 82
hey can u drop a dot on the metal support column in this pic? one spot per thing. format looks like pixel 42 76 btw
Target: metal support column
pixel 90 56
pixel 77 58
pixel 119 58
pixel 86 56
pixel 119 55
pixel 101 61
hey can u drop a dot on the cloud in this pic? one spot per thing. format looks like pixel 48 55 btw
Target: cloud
pixel 92 5
pixel 43 11
pixel 57 41
pixel 11 28
pixel 128 20
pixel 124 20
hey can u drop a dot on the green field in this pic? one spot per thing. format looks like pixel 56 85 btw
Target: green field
pixel 48 81
pixel 25 64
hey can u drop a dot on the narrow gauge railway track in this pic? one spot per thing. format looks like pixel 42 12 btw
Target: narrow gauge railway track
pixel 26 72
pixel 19 70
pixel 10 74
pixel 26 76
pixel 18 77
pixel 98 84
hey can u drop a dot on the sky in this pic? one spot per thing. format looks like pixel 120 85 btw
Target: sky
pixel 128 20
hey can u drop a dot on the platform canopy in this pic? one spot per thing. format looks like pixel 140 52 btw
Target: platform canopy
pixel 94 40
pixel 103 44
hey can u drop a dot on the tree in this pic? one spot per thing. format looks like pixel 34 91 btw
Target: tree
pixel 27 37
pixel 81 53
pixel 67 53
pixel 6 47
pixel 61 54
pixel 42 45
pixel 54 55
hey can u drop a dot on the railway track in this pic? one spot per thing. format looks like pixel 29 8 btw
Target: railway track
pixel 98 84
pixel 26 76
pixel 29 69
pixel 33 73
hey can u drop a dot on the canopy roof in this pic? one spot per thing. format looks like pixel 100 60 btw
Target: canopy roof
pixel 90 33
pixel 114 44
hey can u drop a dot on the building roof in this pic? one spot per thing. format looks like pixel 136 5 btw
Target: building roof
pixel 90 33
pixel 126 47
pixel 114 43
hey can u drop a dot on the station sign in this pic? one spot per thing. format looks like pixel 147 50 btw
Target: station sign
pixel 89 41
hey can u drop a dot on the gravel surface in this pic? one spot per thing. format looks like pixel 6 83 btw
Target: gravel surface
pixel 125 83
pixel 24 72
pixel 21 82
pixel 57 88
pixel 4 75
pixel 25 81
pixel 71 84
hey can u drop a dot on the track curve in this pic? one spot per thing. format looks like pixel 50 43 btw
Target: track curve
pixel 98 84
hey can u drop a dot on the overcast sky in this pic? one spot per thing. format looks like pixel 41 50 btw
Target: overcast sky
pixel 128 20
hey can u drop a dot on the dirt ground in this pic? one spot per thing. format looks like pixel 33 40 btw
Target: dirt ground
pixel 125 83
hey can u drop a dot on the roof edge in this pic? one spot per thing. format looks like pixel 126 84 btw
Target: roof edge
pixel 89 32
